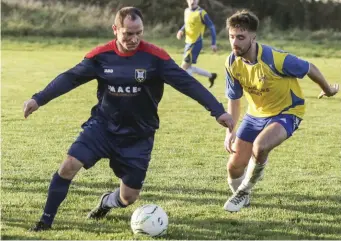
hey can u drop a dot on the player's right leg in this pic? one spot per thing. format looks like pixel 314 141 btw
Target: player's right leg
pixel 57 192
pixel 84 152
pixel 236 165
pixel 247 132
pixel 194 54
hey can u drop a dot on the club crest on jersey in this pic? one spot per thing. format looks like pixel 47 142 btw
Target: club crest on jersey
pixel 263 78
pixel 140 75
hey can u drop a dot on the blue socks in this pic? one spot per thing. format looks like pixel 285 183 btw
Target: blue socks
pixel 58 190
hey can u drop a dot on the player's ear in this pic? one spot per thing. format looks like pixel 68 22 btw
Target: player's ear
pixel 114 29
pixel 254 38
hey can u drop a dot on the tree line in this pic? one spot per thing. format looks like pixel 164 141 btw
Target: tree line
pixel 282 14
pixel 94 17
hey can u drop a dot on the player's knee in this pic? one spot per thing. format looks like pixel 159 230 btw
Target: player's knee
pixel 69 168
pixel 185 65
pixel 259 150
pixel 235 165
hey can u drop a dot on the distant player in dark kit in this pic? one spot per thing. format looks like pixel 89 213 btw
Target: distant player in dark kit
pixel 131 74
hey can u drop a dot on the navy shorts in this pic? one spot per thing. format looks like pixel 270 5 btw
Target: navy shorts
pixel 129 155
pixel 192 51
pixel 251 126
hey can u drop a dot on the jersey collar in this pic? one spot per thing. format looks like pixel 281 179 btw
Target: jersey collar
pixel 193 10
pixel 259 51
pixel 127 54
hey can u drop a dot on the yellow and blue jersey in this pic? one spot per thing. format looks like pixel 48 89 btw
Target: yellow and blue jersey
pixel 270 85
pixel 195 22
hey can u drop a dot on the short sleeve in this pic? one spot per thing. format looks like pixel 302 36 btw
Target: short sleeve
pixel 295 67
pixel 234 89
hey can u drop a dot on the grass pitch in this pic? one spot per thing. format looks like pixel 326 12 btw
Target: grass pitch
pixel 299 197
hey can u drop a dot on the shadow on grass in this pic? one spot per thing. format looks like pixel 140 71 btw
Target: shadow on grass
pixel 16 237
pixel 229 226
pixel 187 228
pixel 314 98
pixel 196 195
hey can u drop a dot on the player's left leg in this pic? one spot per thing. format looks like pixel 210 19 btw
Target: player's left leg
pixel 187 59
pixel 128 192
pixel 272 136
pixel 279 128
pixel 197 46
pixel 130 164
pixel 187 67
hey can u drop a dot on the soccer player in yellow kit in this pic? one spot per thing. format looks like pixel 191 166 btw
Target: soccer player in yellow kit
pixel 196 19
pixel 269 80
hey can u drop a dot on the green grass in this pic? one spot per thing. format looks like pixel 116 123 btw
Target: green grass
pixel 326 48
pixel 298 199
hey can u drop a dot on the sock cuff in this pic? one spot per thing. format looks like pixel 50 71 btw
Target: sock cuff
pixel 261 165
pixel 56 176
pixel 230 180
pixel 258 164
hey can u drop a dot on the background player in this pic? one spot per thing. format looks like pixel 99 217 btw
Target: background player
pixel 196 19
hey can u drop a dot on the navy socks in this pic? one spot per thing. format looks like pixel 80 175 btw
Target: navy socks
pixel 58 190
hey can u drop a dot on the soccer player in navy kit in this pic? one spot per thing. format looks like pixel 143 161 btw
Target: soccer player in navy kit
pixel 131 74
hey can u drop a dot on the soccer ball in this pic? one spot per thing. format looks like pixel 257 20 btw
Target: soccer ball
pixel 149 219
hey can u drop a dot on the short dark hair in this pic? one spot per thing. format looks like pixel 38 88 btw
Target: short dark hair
pixel 131 12
pixel 243 19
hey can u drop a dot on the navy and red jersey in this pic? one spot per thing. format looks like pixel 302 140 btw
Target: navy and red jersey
pixel 130 86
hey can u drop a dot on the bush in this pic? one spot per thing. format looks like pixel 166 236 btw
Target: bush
pixel 94 18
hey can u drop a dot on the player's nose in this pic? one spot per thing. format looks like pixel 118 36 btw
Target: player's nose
pixel 134 39
pixel 235 45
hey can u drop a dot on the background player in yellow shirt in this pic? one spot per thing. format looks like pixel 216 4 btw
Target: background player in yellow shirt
pixel 268 79
pixel 196 19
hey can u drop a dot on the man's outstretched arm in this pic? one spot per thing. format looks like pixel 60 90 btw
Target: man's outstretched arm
pixel 327 89
pixel 186 84
pixel 296 67
pixel 63 83
pixel 208 22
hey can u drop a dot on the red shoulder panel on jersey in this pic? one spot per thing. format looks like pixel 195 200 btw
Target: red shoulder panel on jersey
pixel 101 49
pixel 154 50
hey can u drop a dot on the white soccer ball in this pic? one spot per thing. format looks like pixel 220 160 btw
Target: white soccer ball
pixel 149 219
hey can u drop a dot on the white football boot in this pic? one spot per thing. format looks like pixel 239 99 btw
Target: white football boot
pixel 238 200
pixel 247 201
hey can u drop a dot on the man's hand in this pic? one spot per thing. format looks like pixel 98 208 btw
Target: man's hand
pixel 333 89
pixel 214 48
pixel 29 107
pixel 229 140
pixel 179 34
pixel 226 121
